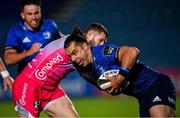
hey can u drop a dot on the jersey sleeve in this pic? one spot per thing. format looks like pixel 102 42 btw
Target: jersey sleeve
pixel 12 39
pixel 106 54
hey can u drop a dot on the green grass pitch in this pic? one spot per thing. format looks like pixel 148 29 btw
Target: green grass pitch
pixel 95 107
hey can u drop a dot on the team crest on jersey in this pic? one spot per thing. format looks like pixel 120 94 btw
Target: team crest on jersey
pixel 47 35
pixel 108 50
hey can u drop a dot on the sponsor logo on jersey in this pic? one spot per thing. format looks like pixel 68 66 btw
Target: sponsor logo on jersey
pixel 36 104
pixel 23 97
pixel 101 69
pixel 171 100
pixel 47 35
pixel 109 73
pixel 41 74
pixel 108 50
pixel 26 40
pixel 156 99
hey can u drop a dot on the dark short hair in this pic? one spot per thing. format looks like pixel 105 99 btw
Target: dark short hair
pixel 29 2
pixel 76 36
pixel 97 27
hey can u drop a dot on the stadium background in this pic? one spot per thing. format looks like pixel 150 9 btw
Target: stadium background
pixel 151 25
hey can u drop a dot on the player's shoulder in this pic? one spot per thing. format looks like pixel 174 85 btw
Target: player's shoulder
pixel 104 49
pixel 58 43
pixel 17 28
pixel 103 53
pixel 49 22
pixel 104 46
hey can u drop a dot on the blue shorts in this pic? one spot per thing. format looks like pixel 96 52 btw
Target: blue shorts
pixel 161 91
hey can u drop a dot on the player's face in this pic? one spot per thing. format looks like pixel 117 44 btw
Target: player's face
pixel 95 38
pixel 31 15
pixel 79 54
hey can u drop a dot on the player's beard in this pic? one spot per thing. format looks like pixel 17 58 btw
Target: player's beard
pixel 84 60
pixel 33 25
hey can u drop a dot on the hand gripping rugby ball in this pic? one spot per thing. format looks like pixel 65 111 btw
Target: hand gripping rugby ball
pixel 103 82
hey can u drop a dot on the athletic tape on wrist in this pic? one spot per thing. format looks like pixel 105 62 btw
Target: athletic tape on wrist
pixel 124 71
pixel 4 74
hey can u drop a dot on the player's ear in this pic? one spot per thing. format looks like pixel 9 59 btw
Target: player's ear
pixel 85 46
pixel 89 35
pixel 22 16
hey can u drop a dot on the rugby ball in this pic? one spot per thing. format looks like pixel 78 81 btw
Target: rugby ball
pixel 103 82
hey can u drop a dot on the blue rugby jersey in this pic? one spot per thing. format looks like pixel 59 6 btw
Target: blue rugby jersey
pixel 141 77
pixel 21 38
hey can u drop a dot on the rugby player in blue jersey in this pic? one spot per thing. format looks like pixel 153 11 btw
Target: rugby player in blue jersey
pixel 155 91
pixel 96 34
pixel 25 39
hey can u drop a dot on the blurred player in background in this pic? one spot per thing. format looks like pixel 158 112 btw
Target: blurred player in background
pixel 25 39
pixel 37 88
pixel 96 34
pixel 7 79
pixel 155 91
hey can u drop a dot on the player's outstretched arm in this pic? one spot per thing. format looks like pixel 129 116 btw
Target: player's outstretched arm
pixel 8 81
pixel 12 56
